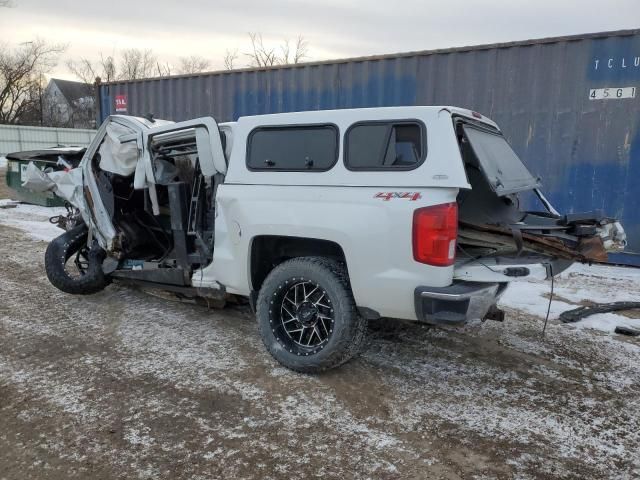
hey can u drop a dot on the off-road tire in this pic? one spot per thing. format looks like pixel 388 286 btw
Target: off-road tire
pixel 348 327
pixel 61 249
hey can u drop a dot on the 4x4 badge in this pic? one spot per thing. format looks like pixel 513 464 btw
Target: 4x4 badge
pixel 386 196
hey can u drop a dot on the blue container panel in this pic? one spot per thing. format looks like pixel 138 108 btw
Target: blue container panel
pixel 587 152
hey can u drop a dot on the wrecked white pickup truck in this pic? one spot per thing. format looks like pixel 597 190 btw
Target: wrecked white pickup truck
pixel 322 219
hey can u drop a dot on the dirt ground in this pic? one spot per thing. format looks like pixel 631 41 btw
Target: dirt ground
pixel 124 385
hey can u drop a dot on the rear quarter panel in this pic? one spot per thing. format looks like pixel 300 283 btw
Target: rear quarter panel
pixel 375 235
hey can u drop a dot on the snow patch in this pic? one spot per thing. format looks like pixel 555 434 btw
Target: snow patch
pixel 32 219
pixel 607 322
pixel 578 286
pixel 135 437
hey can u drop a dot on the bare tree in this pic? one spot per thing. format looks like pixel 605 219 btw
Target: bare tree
pixel 301 51
pixel 193 64
pixel 21 79
pixel 136 63
pixel 109 69
pixel 163 69
pixel 293 55
pixel 6 3
pixel 87 70
pixel 262 55
pixel 230 56
pixel 84 69
pixel 132 64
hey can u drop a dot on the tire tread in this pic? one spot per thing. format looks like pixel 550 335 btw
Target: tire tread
pixel 56 255
pixel 347 346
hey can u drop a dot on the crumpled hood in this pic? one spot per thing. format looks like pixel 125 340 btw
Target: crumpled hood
pixel 66 184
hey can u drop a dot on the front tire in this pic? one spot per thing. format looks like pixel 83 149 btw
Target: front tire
pixel 307 315
pixel 83 278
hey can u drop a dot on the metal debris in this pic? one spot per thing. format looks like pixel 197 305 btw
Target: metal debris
pixel 572 316
pixel 631 332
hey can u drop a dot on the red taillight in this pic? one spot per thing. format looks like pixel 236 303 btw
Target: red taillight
pixel 434 234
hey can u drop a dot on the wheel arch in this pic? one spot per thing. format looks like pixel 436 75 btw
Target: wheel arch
pixel 268 251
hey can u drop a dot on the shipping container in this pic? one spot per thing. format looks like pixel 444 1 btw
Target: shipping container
pixel 570 106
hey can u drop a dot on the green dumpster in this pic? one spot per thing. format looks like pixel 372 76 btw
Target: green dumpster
pixel 58 158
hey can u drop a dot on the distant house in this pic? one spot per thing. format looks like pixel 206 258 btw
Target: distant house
pixel 68 104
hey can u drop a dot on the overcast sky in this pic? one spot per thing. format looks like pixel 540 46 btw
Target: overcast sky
pixel 333 28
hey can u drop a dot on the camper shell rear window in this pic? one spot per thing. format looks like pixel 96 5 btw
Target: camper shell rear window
pixel 504 171
pixel 385 145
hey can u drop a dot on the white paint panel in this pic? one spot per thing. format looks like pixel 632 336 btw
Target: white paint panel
pixel 375 235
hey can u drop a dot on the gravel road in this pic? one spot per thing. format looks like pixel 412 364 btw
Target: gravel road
pixel 123 384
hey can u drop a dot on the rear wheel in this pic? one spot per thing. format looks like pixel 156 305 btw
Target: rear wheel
pixel 307 316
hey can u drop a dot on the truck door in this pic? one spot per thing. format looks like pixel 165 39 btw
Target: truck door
pixel 201 135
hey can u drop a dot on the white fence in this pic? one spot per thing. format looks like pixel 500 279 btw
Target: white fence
pixel 15 138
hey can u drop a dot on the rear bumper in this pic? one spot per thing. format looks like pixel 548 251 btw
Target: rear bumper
pixel 457 303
